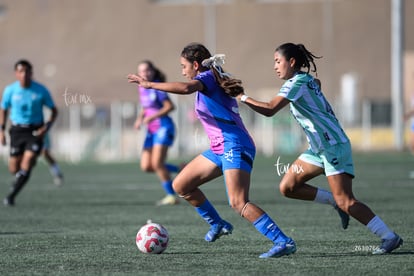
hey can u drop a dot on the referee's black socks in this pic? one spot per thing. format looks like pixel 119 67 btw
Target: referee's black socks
pixel 21 179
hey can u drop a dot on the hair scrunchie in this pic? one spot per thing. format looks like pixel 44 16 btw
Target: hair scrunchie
pixel 216 62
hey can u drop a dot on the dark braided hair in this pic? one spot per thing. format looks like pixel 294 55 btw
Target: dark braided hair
pixel 198 52
pixel 303 57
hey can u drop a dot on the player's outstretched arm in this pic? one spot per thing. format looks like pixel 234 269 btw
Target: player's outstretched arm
pixel 265 108
pixel 171 87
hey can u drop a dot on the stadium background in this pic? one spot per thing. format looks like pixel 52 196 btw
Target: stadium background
pixel 83 50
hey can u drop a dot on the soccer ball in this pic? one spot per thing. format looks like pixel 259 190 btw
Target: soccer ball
pixel 152 238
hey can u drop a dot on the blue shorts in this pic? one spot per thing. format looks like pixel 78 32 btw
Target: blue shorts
pixel 163 136
pixel 334 160
pixel 234 157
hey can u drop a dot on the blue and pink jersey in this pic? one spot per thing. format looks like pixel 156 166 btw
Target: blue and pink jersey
pixel 219 115
pixel 152 101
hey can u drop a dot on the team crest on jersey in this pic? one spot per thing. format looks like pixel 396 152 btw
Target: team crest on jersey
pixel 17 97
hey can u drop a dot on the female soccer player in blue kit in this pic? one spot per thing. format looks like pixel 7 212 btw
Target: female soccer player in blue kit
pixel 329 149
pixel 155 107
pixel 231 152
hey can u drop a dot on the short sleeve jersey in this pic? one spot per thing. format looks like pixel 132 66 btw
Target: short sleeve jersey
pixel 152 101
pixel 26 103
pixel 313 112
pixel 219 115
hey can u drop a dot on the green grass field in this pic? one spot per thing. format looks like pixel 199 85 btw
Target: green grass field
pixel 88 226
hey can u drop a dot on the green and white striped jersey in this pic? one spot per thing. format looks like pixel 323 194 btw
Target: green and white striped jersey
pixel 313 112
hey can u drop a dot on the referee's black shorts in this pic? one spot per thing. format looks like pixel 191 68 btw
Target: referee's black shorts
pixel 22 138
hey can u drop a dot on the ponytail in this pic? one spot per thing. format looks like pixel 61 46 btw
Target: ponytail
pixel 199 53
pixel 304 58
pixel 232 87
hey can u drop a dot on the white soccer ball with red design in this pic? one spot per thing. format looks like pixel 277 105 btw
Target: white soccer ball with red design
pixel 152 238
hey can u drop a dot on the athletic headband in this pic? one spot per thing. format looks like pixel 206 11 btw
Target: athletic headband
pixel 216 61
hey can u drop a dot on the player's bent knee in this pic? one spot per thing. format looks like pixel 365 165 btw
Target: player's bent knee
pixel 146 168
pixel 176 188
pixel 285 189
pixel 180 191
pixel 157 166
pixel 238 206
pixel 345 205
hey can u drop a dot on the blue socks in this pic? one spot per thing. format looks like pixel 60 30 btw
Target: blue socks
pixel 379 228
pixel 208 213
pixel 172 168
pixel 265 225
pixel 167 185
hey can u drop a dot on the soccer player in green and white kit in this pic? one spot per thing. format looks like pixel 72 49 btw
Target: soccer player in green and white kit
pixel 329 149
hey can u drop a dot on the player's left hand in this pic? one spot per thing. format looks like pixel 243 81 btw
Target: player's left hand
pixel 41 131
pixel 132 78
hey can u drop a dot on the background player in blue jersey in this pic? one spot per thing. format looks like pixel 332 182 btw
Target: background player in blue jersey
pixel 329 149
pixel 231 152
pixel 155 107
pixel 25 99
